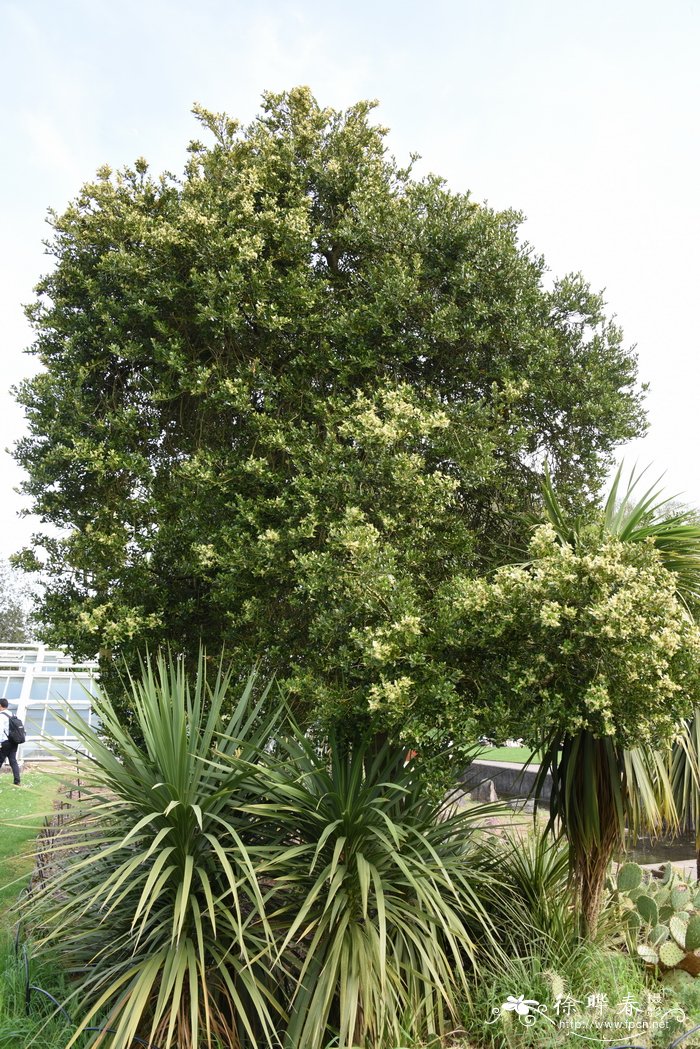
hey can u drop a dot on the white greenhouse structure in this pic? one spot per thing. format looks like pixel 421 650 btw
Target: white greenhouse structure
pixel 38 683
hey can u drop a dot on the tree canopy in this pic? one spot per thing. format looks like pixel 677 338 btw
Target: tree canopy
pixel 590 637
pixel 289 394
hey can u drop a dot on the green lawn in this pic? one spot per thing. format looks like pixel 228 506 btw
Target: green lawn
pixel 22 811
pixel 518 755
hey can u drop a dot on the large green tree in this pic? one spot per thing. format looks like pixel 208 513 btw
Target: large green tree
pixel 288 394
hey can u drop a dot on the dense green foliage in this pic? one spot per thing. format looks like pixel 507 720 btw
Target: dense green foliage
pixel 532 906
pixel 40 1027
pixel 287 395
pixel 161 908
pixel 586 638
pixel 592 993
pixel 381 890
pixel 235 887
pixel 564 983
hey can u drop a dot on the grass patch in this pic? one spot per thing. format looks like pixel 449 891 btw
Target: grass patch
pixel 604 1000
pixel 42 1028
pixel 22 812
pixel 518 755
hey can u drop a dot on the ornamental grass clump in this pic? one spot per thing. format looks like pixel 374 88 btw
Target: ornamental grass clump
pixel 532 905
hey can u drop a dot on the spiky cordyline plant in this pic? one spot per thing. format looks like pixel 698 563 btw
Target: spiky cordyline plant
pixel 377 894
pixel 600 794
pixel 533 907
pixel 638 518
pixel 685 779
pixel 157 897
pixel 600 791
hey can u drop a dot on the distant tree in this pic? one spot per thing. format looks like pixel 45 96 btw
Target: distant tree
pixel 14 608
pixel 286 396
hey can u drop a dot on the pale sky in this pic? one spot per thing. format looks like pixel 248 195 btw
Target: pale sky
pixel 583 114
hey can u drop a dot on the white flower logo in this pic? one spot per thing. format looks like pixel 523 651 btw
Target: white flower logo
pixel 520 1005
pixel 527 1010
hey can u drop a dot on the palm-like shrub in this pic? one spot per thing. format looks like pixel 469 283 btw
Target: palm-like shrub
pixel 602 790
pixel 601 794
pixel 685 779
pixel 532 906
pixel 159 904
pixel 224 882
pixel 377 895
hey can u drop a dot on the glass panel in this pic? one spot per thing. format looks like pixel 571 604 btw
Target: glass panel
pixel 59 688
pixel 14 688
pixel 3 683
pixel 79 689
pixel 35 720
pixel 39 689
pixel 53 727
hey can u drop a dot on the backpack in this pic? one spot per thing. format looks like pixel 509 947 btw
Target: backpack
pixel 15 729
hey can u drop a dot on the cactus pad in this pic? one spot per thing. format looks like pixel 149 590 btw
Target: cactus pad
pixel 658 935
pixel 556 983
pixel 680 897
pixel 629 877
pixel 648 909
pixel 667 875
pixel 648 954
pixel 677 979
pixel 632 920
pixel 677 928
pixel 670 954
pixel 692 933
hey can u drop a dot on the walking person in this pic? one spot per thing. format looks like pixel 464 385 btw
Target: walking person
pixel 8 749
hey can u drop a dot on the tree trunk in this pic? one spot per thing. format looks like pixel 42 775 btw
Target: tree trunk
pixel 585 802
pixel 590 884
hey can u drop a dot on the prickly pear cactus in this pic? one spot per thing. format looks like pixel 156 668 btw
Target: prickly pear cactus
pixel 670 954
pixel 661 916
pixel 692 933
pixel 629 877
